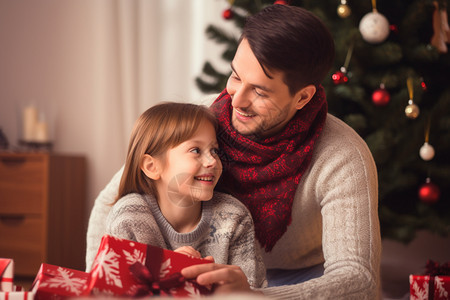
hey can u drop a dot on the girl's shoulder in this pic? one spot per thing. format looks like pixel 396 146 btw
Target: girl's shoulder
pixel 131 198
pixel 228 203
pixel 132 201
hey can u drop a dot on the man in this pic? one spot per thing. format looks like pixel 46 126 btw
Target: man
pixel 308 179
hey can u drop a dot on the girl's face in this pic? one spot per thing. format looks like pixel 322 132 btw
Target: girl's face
pixel 191 170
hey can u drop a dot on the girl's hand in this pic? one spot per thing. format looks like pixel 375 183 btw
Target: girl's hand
pixel 188 250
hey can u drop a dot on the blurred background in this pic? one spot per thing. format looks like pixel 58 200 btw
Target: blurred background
pixel 91 67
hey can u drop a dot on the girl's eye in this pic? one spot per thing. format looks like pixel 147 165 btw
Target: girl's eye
pixel 215 151
pixel 195 150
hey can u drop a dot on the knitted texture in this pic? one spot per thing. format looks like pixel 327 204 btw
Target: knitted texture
pixel 264 174
pixel 334 221
pixel 224 232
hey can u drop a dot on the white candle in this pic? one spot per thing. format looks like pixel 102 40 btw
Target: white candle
pixel 30 118
pixel 41 132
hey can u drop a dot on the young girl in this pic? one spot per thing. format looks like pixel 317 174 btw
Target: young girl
pixel 166 194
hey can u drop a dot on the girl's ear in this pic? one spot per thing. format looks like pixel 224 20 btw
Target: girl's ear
pixel 149 166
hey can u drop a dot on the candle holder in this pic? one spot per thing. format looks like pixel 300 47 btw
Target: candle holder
pixel 3 141
pixel 35 131
pixel 36 146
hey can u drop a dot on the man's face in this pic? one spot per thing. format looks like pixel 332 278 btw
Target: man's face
pixel 262 106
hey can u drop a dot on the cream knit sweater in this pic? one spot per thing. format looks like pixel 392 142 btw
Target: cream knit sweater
pixel 334 220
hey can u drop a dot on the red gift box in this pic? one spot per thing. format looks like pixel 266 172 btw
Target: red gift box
pixel 128 268
pixel 434 285
pixel 17 294
pixel 6 274
pixel 8 291
pixel 424 286
pixel 54 282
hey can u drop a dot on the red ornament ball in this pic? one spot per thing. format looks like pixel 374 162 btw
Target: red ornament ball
pixel 423 85
pixel 429 192
pixel 282 2
pixel 381 97
pixel 393 28
pixel 339 77
pixel 227 14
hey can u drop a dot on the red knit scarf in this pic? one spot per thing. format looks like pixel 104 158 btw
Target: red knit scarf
pixel 264 174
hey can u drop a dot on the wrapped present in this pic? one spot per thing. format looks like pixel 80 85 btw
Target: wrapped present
pixel 131 269
pixel 54 282
pixel 434 285
pixel 8 291
pixel 17 293
pixel 6 274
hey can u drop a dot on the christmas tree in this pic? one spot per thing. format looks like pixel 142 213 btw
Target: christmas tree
pixel 391 83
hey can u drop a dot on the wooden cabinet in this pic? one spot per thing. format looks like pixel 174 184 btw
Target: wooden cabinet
pixel 42 208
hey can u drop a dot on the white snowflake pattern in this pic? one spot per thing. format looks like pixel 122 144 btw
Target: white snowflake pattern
pixel 134 257
pixel 109 267
pixel 439 283
pixel 96 292
pixel 420 293
pixel 191 289
pixel 66 280
pixel 165 268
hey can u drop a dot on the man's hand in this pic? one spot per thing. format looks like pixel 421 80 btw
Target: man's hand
pixel 224 278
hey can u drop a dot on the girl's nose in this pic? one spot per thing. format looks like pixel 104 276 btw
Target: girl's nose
pixel 209 161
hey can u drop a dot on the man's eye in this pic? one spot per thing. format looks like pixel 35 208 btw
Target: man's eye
pixel 260 94
pixel 235 77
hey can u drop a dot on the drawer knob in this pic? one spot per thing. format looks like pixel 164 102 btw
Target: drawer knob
pixel 10 161
pixel 12 220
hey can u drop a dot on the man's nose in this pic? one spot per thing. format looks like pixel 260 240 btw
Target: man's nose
pixel 241 97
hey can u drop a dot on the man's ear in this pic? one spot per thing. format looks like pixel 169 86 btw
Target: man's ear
pixel 305 95
pixel 150 167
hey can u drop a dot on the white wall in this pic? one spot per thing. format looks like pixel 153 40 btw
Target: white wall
pixel 54 53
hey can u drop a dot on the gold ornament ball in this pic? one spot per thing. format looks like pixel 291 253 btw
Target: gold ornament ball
pixel 343 11
pixel 412 111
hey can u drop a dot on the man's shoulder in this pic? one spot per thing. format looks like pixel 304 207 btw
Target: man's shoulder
pixel 336 131
pixel 335 124
pixel 339 141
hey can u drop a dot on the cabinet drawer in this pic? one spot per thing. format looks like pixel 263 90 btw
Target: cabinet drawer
pixel 22 238
pixel 22 184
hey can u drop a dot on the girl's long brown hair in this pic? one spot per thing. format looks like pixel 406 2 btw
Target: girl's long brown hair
pixel 157 130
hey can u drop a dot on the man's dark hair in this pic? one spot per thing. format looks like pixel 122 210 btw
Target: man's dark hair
pixel 291 40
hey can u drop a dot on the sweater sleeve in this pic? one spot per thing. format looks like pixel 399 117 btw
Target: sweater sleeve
pixel 343 180
pixel 131 219
pixel 244 250
pixel 97 219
